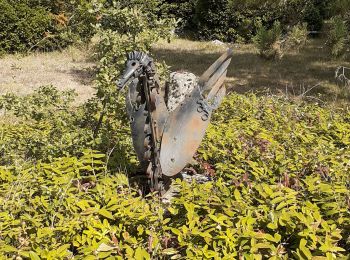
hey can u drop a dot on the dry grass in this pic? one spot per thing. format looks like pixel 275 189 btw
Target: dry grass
pixel 295 74
pixel 69 69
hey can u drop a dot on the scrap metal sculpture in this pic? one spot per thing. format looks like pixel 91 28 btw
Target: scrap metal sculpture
pixel 164 141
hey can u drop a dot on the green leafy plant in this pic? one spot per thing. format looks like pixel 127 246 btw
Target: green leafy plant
pixel 46 125
pixel 121 29
pixel 279 189
pixel 22 26
pixel 268 41
pixel 338 38
pixel 313 17
pixel 296 37
pixel 272 44
pixel 44 25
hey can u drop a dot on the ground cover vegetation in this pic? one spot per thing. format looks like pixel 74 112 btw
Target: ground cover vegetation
pixel 279 167
pixel 281 189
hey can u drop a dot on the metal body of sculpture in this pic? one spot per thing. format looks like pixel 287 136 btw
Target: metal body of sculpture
pixel 164 141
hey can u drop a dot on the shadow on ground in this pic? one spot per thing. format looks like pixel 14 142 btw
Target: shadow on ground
pixel 311 71
pixel 85 76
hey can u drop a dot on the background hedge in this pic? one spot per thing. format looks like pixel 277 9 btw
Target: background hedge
pixel 46 25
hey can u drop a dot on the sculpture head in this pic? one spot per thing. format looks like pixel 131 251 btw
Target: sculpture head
pixel 134 65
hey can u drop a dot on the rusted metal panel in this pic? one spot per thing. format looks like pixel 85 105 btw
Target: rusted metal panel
pixel 183 134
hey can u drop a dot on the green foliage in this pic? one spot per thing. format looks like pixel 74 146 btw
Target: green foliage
pixel 45 125
pixel 44 25
pixel 296 38
pixel 183 11
pixel 280 189
pixel 338 39
pixel 340 7
pixel 298 149
pixel 123 27
pixel 74 21
pixel 46 102
pixel 211 19
pixel 272 44
pixel 313 17
pixel 239 20
pixel 22 26
pixel 268 41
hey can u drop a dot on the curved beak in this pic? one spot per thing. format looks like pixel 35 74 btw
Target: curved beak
pixel 128 75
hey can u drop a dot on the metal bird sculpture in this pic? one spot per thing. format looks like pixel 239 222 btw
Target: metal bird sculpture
pixel 164 141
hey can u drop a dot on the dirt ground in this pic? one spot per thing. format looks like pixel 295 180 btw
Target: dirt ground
pixel 69 69
pixel 310 71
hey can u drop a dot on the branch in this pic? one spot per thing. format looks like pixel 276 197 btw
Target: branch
pixel 341 75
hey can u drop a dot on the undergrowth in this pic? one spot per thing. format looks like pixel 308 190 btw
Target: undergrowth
pixel 280 185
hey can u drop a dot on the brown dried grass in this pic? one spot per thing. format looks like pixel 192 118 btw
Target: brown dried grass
pixel 295 74
pixel 68 69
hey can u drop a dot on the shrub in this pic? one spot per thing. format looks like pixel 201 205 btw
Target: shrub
pixel 280 189
pixel 313 18
pixel 75 21
pixel 340 7
pixel 183 11
pixel 212 19
pixel 123 27
pixel 273 45
pixel 296 37
pixel 268 41
pixel 22 27
pixel 239 20
pixel 44 25
pixel 47 125
pixel 338 39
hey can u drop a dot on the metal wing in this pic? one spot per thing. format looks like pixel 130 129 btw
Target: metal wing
pixel 186 126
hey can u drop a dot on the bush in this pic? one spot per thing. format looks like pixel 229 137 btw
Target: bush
pixel 46 125
pixel 212 19
pixel 273 45
pixel 268 41
pixel 296 38
pixel 183 11
pixel 280 189
pixel 122 28
pixel 338 39
pixel 44 25
pixel 313 18
pixel 23 27
pixel 239 20
pixel 74 19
